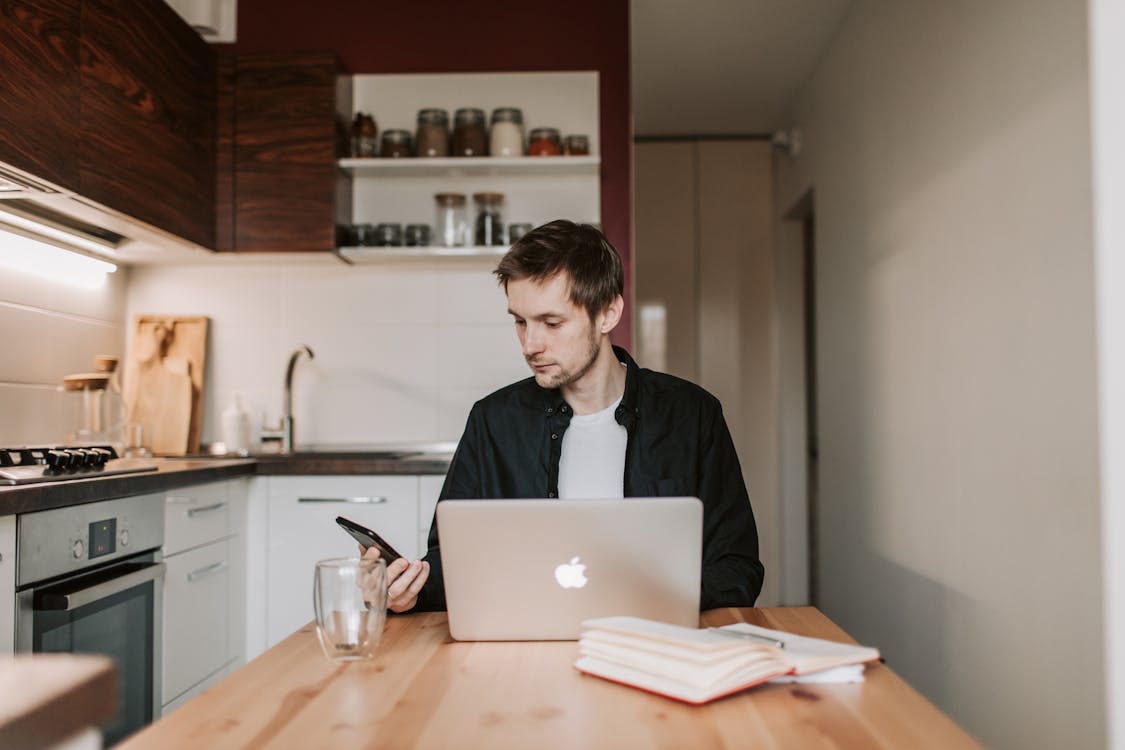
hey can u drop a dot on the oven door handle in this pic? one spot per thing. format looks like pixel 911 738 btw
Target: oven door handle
pixel 59 602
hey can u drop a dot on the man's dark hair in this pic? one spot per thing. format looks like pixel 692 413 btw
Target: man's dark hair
pixel 589 260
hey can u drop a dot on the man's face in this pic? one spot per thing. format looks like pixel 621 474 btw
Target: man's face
pixel 559 340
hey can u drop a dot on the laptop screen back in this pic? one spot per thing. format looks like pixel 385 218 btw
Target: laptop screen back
pixel 536 569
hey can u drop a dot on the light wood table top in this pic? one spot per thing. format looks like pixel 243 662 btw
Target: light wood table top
pixel 45 698
pixel 423 690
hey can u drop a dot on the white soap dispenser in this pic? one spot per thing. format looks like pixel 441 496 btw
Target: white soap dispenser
pixel 236 428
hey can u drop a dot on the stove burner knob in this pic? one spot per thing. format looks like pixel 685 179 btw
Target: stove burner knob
pixel 79 549
pixel 82 458
pixel 57 460
pixel 101 456
pixel 123 537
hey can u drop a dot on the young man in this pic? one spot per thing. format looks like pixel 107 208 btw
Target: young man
pixel 590 423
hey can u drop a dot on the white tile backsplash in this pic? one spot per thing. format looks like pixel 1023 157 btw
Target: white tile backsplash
pixel 402 349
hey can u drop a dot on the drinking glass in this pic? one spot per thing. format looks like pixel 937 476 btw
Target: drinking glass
pixel 350 600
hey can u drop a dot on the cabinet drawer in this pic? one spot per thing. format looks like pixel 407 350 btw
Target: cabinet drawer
pixel 196 612
pixel 195 515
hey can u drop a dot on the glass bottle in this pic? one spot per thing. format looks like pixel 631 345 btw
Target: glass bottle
pixel 469 138
pixel 577 145
pixel 432 137
pixel 544 142
pixel 364 132
pixel 489 224
pixel 506 135
pixel 451 228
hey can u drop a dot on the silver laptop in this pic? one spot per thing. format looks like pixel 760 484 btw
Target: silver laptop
pixel 531 570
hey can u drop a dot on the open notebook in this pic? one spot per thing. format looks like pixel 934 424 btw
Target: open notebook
pixel 699 665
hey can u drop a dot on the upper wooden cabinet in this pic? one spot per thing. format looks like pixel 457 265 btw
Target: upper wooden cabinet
pixel 148 116
pixel 285 118
pixel 39 88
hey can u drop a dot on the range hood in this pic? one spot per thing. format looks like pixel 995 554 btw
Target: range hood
pixel 32 207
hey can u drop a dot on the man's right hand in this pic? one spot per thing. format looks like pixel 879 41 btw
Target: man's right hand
pixel 404 581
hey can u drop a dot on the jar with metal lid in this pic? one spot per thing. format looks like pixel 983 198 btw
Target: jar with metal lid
pixel 396 144
pixel 577 145
pixel 469 137
pixel 544 142
pixel 451 227
pixel 506 135
pixel 489 225
pixel 364 134
pixel 432 137
pixel 388 235
pixel 364 234
pixel 417 235
pixel 515 231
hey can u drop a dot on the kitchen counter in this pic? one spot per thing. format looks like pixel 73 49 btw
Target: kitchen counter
pixel 47 698
pixel 424 690
pixel 178 472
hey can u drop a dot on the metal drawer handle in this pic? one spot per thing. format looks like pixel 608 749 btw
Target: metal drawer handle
pixel 179 499
pixel 371 500
pixel 207 571
pixel 193 512
pixel 80 598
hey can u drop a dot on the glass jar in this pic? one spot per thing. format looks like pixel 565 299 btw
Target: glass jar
pixel 489 228
pixel 469 138
pixel 364 234
pixel 417 235
pixel 544 142
pixel 577 145
pixel 388 235
pixel 396 144
pixel 506 136
pixel 451 227
pixel 433 133
pixel 364 133
pixel 515 231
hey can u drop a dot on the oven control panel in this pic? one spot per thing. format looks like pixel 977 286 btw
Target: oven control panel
pixel 66 540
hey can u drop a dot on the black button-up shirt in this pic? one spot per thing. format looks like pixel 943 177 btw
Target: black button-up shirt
pixel 678 445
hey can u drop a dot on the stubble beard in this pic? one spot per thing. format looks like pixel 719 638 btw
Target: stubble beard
pixel 563 377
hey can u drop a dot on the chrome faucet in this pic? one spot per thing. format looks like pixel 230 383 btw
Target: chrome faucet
pixel 284 431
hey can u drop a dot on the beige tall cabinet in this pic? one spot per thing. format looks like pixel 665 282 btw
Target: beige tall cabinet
pixel 705 297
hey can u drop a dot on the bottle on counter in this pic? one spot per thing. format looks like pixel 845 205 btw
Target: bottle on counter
pixel 544 142
pixel 432 138
pixel 451 227
pixel 489 224
pixel 506 135
pixel 236 428
pixel 364 132
pixel 469 137
pixel 396 144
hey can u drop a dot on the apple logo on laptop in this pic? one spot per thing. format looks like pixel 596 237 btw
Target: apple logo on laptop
pixel 571 575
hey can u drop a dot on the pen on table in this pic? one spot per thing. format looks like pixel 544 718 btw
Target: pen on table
pixel 750 636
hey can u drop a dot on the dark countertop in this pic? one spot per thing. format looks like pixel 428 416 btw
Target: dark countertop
pixel 180 472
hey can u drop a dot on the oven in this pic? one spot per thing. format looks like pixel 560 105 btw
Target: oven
pixel 90 580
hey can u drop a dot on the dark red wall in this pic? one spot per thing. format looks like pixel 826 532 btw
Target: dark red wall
pixel 458 36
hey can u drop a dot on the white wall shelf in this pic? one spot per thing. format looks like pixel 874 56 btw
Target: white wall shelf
pixel 367 254
pixel 474 166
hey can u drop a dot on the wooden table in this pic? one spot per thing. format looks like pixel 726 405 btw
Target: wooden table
pixel 424 690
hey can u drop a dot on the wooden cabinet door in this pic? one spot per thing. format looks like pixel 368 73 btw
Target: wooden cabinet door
pixel 39 108
pixel 290 117
pixel 148 116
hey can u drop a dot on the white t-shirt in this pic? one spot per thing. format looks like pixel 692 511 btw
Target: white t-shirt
pixel 592 464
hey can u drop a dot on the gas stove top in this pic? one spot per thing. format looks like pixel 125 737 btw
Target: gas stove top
pixel 61 463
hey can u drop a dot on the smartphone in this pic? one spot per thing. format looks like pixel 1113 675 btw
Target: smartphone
pixel 368 538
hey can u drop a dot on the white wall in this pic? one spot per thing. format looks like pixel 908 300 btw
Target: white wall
pixel 49 330
pixel 402 349
pixel 948 146
pixel 1107 60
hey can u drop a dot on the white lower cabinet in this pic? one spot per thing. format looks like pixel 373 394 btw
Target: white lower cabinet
pixel 204 587
pixel 429 488
pixel 7 584
pixel 302 514
pixel 196 610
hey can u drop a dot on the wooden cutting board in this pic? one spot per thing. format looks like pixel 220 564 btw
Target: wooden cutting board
pixel 164 381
